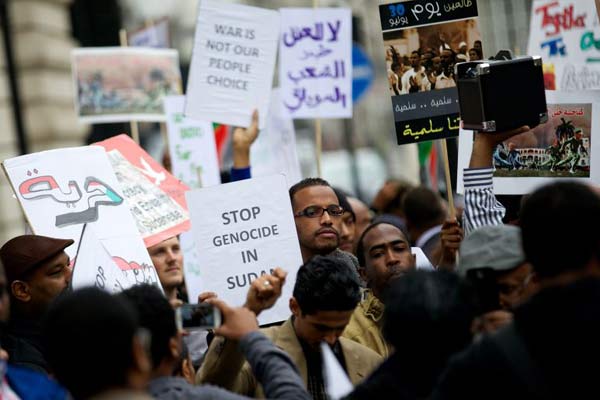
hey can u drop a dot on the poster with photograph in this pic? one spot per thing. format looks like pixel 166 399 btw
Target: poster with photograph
pixel 119 84
pixel 233 62
pixel 423 40
pixel 565 147
pixel 315 62
pixel 58 200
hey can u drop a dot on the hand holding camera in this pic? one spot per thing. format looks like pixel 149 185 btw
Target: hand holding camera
pixel 237 322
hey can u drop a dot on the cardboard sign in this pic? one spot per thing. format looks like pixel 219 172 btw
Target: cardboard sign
pixel 155 197
pixel 117 84
pixel 95 267
pixel 59 199
pixel 155 35
pixel 423 87
pixel 315 65
pixel 274 151
pixel 563 148
pixel 231 72
pixel 243 230
pixel 564 30
pixel 192 146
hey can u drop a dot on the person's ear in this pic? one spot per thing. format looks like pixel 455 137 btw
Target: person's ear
pixel 21 291
pixel 294 307
pixel 141 356
pixel 362 272
pixel 188 372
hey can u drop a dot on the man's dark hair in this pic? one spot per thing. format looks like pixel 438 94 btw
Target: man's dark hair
pixel 422 304
pixel 423 208
pixel 564 212
pixel 304 183
pixel 326 283
pixel 156 315
pixel 360 246
pixel 344 203
pixel 88 337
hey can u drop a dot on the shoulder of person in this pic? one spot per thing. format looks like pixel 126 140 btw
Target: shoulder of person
pixel 363 353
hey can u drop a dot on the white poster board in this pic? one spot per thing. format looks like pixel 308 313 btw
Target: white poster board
pixel 274 151
pixel 231 72
pixel 567 147
pixel 315 62
pixel 59 198
pixel 243 230
pixel 94 266
pixel 192 146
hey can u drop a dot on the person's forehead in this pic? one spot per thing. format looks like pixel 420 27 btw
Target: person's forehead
pixel 172 241
pixel 329 318
pixel 315 195
pixel 382 234
pixel 59 258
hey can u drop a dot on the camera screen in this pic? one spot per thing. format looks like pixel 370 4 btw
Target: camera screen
pixel 197 315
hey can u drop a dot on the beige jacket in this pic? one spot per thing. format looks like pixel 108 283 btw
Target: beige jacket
pixel 365 326
pixel 224 365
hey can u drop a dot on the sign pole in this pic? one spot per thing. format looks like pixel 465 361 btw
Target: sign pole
pixel 448 180
pixel 318 132
pixel 135 134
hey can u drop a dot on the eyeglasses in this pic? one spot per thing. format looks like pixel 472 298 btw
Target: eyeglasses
pixel 316 211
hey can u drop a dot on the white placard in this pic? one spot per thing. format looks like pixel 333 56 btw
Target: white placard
pixel 243 230
pixel 564 30
pixel 192 147
pixel 231 72
pixel 274 151
pixel 61 190
pixel 543 154
pixel 315 66
pixel 337 383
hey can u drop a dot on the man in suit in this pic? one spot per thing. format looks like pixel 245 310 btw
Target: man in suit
pixel 425 216
pixel 325 296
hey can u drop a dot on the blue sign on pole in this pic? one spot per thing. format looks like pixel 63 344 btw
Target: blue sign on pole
pixel 363 73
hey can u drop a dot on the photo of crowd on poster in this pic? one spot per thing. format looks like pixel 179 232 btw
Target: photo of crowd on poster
pixel 422 58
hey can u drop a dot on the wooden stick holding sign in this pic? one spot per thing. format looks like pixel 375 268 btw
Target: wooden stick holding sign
pixel 448 179
pixel 135 134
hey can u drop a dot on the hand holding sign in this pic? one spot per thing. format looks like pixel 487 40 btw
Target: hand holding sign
pixel 265 291
pixel 242 140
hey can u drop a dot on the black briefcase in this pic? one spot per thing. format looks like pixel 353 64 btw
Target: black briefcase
pixel 501 94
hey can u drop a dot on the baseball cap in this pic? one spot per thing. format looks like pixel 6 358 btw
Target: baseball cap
pixel 497 247
pixel 23 253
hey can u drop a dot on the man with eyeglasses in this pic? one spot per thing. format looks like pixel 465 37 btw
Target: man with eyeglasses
pixel 495 254
pixel 318 217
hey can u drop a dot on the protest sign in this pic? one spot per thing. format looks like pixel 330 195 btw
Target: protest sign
pixel 192 146
pixel 58 200
pixel 564 30
pixel 155 34
pixel 154 196
pixel 315 62
pixel 560 149
pixel 95 267
pixel 117 84
pixel 243 230
pixel 274 151
pixel 423 89
pixel 231 72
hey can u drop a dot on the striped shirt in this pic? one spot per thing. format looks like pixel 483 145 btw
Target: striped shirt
pixel 481 206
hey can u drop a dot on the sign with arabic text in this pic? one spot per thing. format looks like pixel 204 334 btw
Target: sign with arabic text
pixel 423 40
pixel 58 200
pixel 247 231
pixel 233 61
pixel 315 62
